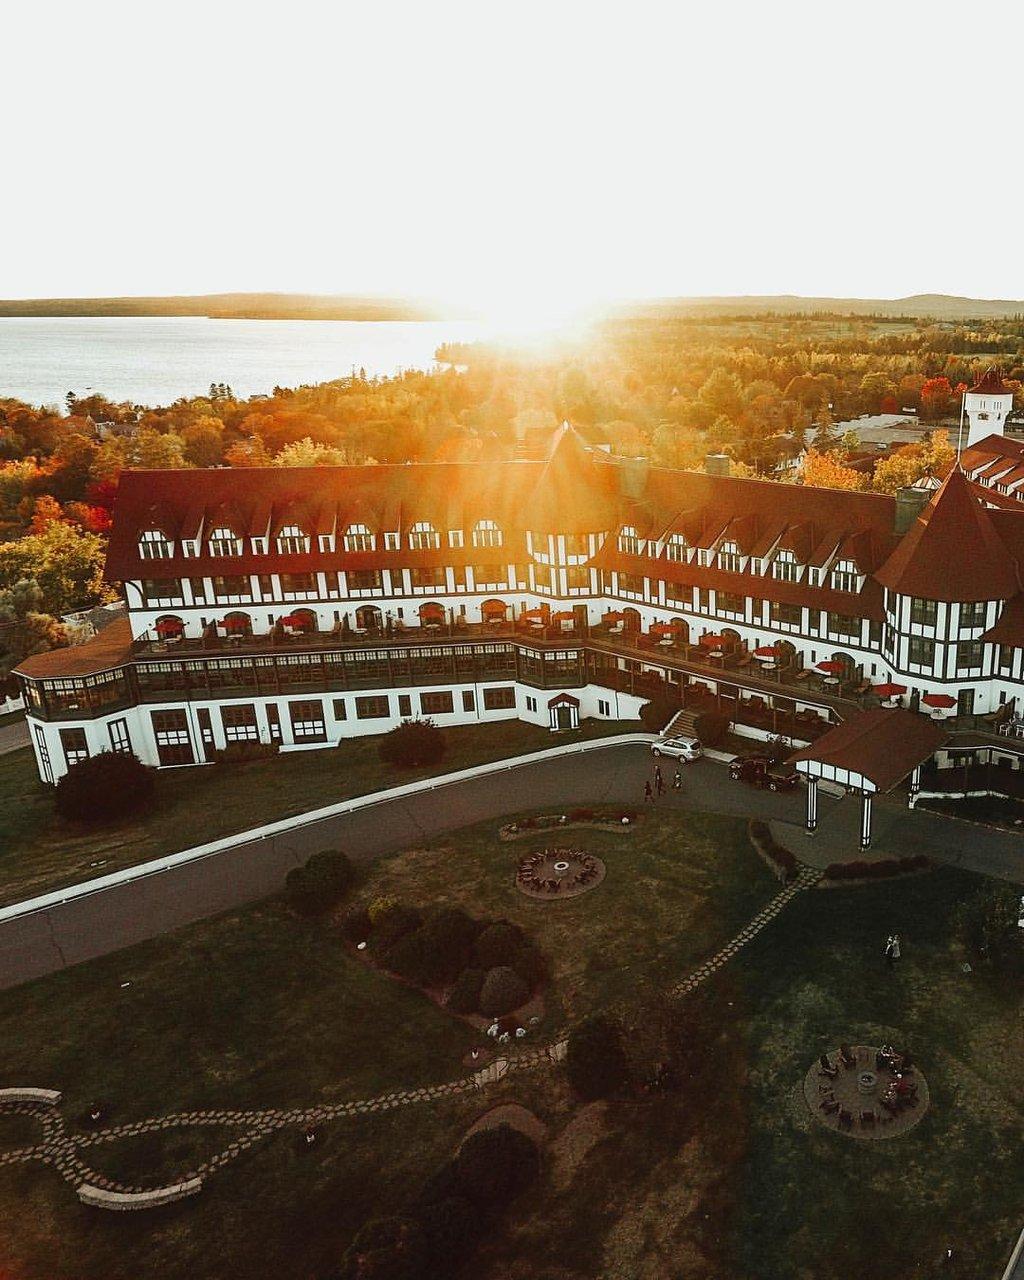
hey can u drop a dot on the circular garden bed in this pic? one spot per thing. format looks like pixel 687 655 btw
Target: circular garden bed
pixel 559 872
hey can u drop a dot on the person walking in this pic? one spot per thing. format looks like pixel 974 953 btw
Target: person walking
pixel 648 793
pixel 659 783
pixel 895 948
pixel 677 781
pixel 890 944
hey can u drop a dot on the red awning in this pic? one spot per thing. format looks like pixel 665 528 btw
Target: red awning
pixel 832 668
pixel 432 610
pixel 614 617
pixel 889 690
pixel 942 700
pixel 494 608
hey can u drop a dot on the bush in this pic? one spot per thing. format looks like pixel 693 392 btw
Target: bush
pixel 103 787
pixel 242 752
pixel 413 958
pixel 712 726
pixel 503 990
pixel 394 923
pixel 531 964
pixel 413 743
pixel 324 880
pixel 379 907
pixel 356 926
pixel 498 944
pixel 495 1166
pixel 986 925
pixel 386 1249
pixel 450 932
pixel 464 997
pixel 656 714
pixel 595 1060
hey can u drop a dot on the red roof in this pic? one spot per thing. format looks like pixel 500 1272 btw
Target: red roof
pixel 882 744
pixel 108 648
pixel 952 551
pixel 990 383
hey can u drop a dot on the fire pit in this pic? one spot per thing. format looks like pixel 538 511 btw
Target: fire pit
pixel 560 868
pixel 559 872
pixel 867 1082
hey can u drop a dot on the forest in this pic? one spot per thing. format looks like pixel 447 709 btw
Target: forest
pixel 671 389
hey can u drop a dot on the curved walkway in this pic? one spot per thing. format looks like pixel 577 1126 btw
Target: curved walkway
pixel 60 1149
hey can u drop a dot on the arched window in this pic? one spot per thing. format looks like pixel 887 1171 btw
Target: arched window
pixel 225 542
pixel 675 548
pixel 169 627
pixel 785 566
pixel 291 541
pixel 844 576
pixel 237 624
pixel 487 534
pixel 423 537
pixel 629 540
pixel 154 545
pixel 729 557
pixel 358 538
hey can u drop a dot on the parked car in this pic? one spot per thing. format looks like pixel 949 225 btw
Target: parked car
pixel 760 771
pixel 680 748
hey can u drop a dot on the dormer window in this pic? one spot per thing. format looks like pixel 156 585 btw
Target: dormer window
pixel 423 537
pixel 392 542
pixel 455 538
pixel 845 576
pixel 675 548
pixel 487 534
pixel 154 545
pixel 729 557
pixel 629 540
pixel 359 538
pixel 785 566
pixel 224 542
pixel 291 541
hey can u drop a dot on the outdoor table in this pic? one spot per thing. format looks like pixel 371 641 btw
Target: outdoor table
pixel 768 664
pixel 830 680
pixel 666 642
pixel 716 653
pixel 889 702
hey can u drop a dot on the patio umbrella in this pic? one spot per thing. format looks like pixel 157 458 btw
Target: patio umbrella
pixel 663 629
pixel 236 623
pixel 538 615
pixel 169 627
pixel 941 701
pixel 566 615
pixel 614 616
pixel 712 642
pixel 889 690
pixel 832 668
pixel 765 651
pixel 293 620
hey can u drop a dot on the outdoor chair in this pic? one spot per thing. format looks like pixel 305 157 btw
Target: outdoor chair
pixel 845 1119
pixel 867 1118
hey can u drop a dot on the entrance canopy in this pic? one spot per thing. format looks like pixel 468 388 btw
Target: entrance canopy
pixel 872 751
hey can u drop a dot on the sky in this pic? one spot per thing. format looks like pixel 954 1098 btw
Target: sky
pixel 525 157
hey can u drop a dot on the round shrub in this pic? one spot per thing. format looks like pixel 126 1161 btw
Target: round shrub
pixel 498 944
pixel 386 1249
pixel 494 1166
pixel 395 923
pixel 412 957
pixel 322 881
pixel 413 743
pixel 356 926
pixel 503 990
pixel 712 727
pixel 464 996
pixel 595 1060
pixel 656 714
pixel 103 787
pixel 531 964
pixel 336 868
pixel 450 933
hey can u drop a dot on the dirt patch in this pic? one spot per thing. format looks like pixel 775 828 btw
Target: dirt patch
pixel 516 1117
pixel 571 1147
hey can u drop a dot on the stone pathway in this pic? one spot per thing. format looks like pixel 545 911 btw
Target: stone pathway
pixel 61 1149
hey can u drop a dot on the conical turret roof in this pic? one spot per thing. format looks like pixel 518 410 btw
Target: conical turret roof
pixel 952 551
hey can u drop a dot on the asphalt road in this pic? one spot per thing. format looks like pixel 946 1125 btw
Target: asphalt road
pixel 106 921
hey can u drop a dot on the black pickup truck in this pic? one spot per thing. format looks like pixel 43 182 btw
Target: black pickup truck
pixel 763 772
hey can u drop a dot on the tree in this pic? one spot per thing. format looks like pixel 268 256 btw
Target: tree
pixel 936 399
pixel 722 395
pixel 100 788
pixel 503 990
pixel 413 743
pixel 825 471
pixel 25 628
pixel 494 1167
pixel 825 439
pixel 65 562
pixel 987 925
pixel 595 1059
pixel 309 453
pixel 656 714
pixel 321 882
pixel 386 1249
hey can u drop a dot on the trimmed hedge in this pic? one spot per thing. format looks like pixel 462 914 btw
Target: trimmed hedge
pixel 766 844
pixel 243 752
pixel 103 787
pixel 503 990
pixel 498 944
pixel 464 997
pixel 413 743
pixel 323 880
pixel 884 867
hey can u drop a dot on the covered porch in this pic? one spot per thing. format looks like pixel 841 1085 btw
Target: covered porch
pixel 868 754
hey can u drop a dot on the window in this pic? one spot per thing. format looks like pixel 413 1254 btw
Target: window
pixel 205 723
pixel 74 745
pixel 274 721
pixel 631 584
pixel 225 542
pixel 488 576
pixel 158 591
pixel 629 541
pixel 153 545
pixel 577 578
pixel 531 704
pixel 468 701
pixel 844 625
pixel 499 699
pixel 729 557
pixel 728 602
pixel 577 544
pixel 308 720
pixel 119 739
pixel 404 705
pixel 173 740
pixel 922 652
pixel 198 589
pixel 440 703
pixel 973 615
pixel 44 754
pixel 487 534
pixel 786 615
pixel 423 537
pixel 844 576
pixel 339 709
pixel 363 580
pixel 455 538
pixel 675 548
pixel 968 655
pixel 391 542
pixel 358 538
pixel 240 723
pixel 603 708
pixel 291 541
pixel 298 584
pixel 372 708
pixel 785 566
pixel 923 612
pixel 232 587
pixel 1005 657
pixel 703 598
pixel 431 576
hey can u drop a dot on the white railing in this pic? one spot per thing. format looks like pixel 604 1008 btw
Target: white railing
pixel 157 865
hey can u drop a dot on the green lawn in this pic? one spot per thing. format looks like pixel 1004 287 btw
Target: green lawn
pixel 38 851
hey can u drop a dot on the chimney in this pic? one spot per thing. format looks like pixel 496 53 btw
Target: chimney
pixel 634 477
pixel 717 464
pixel 910 502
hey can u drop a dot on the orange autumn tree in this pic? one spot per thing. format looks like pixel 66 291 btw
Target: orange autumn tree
pixel 826 471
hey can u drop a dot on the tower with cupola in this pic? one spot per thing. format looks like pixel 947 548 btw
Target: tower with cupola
pixel 986 406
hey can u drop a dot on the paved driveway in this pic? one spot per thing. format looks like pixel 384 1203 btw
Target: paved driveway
pixel 125 914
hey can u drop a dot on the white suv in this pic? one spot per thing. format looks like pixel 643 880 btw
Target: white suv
pixel 680 748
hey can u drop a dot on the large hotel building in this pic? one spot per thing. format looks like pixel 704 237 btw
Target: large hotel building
pixel 302 607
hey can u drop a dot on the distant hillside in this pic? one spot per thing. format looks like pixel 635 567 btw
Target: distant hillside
pixel 938 306
pixel 235 306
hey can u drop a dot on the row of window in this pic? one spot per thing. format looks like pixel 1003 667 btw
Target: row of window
pixel 293 540
pixel 924 613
